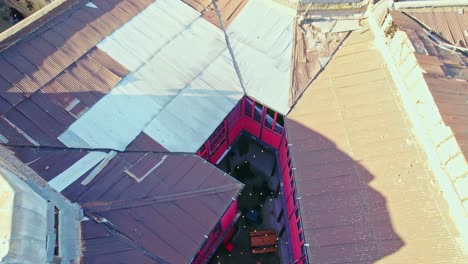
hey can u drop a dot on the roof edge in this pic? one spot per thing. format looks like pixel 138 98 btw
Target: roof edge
pixel 432 4
pixel 332 6
pixel 33 22
pixel 424 134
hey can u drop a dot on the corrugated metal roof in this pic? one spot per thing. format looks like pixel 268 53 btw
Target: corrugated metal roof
pixel 445 74
pixel 228 9
pixel 449 23
pixel 261 39
pixel 366 193
pixel 137 41
pixel 162 217
pixel 313 46
pixel 184 62
pixel 53 76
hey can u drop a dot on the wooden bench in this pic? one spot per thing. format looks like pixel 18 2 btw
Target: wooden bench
pixel 264 241
pixel 264 250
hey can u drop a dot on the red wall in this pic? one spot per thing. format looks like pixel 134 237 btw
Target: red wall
pixel 228 216
pixel 251 117
pixel 224 229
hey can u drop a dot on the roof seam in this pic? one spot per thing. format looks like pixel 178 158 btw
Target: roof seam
pixel 318 74
pixel 123 204
pixel 42 147
pixel 365 195
pixel 228 43
pixel 122 237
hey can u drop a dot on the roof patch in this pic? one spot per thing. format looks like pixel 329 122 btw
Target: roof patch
pixel 75 171
pixel 139 172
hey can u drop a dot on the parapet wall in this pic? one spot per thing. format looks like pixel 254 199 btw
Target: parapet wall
pixel 437 139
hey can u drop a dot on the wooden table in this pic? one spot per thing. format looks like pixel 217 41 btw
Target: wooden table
pixel 263 241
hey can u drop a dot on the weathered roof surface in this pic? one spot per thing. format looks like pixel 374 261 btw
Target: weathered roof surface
pixel 53 76
pixel 366 191
pixel 261 40
pixel 142 205
pixel 330 1
pixel 176 59
pixel 99 76
pixel 313 45
pixel 228 9
pixel 24 215
pixel 446 75
pixel 158 207
pixel 450 23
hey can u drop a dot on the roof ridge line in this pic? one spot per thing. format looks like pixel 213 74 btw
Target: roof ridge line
pixel 229 47
pixel 93 149
pixel 123 204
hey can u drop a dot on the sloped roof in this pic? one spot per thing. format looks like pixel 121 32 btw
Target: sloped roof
pixel 98 76
pixel 53 76
pixel 449 23
pixel 176 58
pixel 72 84
pixel 314 44
pixel 366 193
pixel 154 207
pixel 446 75
pixel 261 40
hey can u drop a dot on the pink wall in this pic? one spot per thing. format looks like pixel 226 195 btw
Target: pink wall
pixel 241 119
pixel 228 216
pixel 225 229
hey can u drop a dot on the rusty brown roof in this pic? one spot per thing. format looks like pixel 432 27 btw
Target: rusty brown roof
pixel 366 193
pixel 312 49
pixel 228 10
pixel 449 23
pixel 446 75
pixel 141 206
pixel 53 75
pixel 157 206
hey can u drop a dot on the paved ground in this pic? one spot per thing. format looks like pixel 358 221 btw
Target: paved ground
pixel 253 165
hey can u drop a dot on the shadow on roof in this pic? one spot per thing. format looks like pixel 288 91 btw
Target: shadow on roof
pixel 345 220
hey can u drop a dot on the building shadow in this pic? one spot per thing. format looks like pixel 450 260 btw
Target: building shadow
pixel 46 86
pixel 344 219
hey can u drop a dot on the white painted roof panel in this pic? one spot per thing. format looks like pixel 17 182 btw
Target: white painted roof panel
pixel 261 38
pixel 178 91
pixel 145 34
pixel 75 171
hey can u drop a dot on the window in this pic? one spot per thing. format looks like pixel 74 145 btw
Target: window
pixel 279 123
pixel 258 112
pixel 249 104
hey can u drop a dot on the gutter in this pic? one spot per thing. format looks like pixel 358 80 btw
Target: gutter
pixel 429 3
